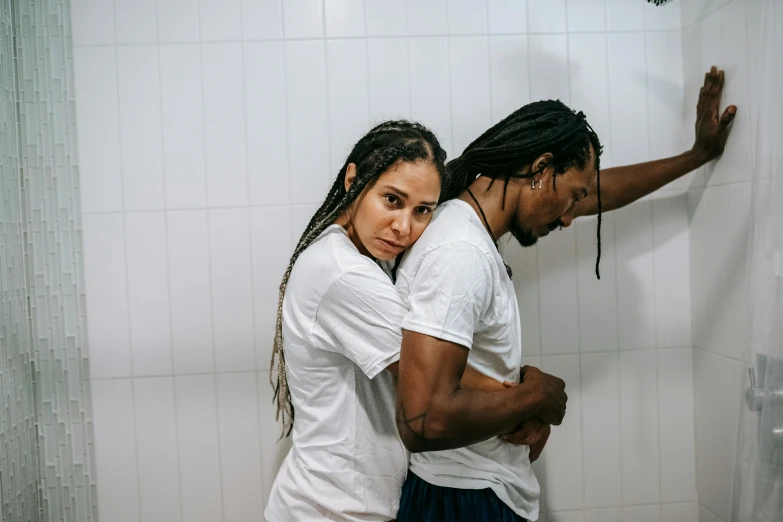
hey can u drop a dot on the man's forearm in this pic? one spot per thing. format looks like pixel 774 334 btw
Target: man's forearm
pixel 463 417
pixel 621 186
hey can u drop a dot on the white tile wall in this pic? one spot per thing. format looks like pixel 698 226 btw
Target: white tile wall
pixel 208 134
pixel 722 33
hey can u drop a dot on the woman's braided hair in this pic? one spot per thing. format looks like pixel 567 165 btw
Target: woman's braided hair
pixel 518 140
pixel 379 150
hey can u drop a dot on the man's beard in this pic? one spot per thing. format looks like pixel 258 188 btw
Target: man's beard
pixel 524 236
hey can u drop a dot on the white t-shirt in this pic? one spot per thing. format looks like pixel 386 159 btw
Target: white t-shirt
pixel 457 289
pixel 341 329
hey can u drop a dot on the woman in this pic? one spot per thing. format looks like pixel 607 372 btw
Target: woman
pixel 338 336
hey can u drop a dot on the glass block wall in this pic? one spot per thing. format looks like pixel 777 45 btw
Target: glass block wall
pixel 19 471
pixel 46 456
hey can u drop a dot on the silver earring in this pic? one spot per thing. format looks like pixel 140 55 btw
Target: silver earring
pixel 533 185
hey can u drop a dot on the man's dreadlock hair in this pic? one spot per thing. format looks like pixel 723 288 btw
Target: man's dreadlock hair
pixel 380 149
pixel 516 141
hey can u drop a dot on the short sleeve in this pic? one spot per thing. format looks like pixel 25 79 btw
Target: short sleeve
pixel 450 293
pixel 360 316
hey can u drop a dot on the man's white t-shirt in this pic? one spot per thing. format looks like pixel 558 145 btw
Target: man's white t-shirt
pixel 341 329
pixel 457 289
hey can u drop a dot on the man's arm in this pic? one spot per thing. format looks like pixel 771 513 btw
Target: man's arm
pixel 471 379
pixel 434 412
pixel 621 186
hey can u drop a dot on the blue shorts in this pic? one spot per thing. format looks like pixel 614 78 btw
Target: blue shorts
pixel 424 502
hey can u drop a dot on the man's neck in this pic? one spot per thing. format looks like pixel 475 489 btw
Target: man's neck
pixel 498 216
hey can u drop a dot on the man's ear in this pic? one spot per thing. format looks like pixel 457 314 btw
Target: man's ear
pixel 541 163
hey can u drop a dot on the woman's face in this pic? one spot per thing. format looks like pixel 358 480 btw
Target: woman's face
pixel 390 216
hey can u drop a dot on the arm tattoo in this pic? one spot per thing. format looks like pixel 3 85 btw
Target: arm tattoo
pixel 414 425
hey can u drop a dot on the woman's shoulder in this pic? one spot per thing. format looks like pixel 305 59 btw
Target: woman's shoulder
pixel 333 257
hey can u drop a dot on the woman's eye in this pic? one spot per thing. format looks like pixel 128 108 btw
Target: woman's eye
pixel 391 198
pixel 423 210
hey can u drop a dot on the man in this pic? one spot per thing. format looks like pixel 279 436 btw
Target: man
pixel 533 172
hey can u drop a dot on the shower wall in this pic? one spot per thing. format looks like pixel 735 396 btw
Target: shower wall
pixel 19 477
pixel 46 465
pixel 209 131
pixel 724 33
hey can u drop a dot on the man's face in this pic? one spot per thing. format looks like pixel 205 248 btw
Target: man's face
pixel 551 204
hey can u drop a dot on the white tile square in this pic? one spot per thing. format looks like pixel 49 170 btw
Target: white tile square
pixel 628 98
pixel 704 514
pixel 344 18
pixel 467 16
pixel 737 155
pixel 308 121
pixel 135 22
pixel 549 67
pixel 92 22
pixel 115 450
pixel 715 410
pixel 389 84
pixel 687 512
pixel 564 474
pixel 470 96
pixel 148 293
pixel 508 71
pixel 689 12
pixel 719 321
pixel 586 15
pixel 558 293
pixel 272 249
pixel 641 514
pixel 300 217
pixel 232 291
pixel 588 71
pixel 614 514
pixel 199 452
pixel 262 19
pixel 665 97
pixel 97 118
pixel 220 20
pixel 426 17
pixel 273 448
pixel 349 102
pixel 106 295
pixel 156 440
pixel 507 16
pixel 240 452
pixel 265 112
pixel 639 428
pixel 546 16
pixel 191 297
pixel 665 17
pixel 624 15
pixel 601 429
pixel 524 263
pixel 224 123
pixel 635 275
pixel 429 77
pixel 672 270
pixel 178 21
pixel 697 232
pixel 385 18
pixel 183 126
pixel 597 297
pixel 708 6
pixel 741 216
pixel 303 19
pixel 675 397
pixel 140 127
pixel 566 516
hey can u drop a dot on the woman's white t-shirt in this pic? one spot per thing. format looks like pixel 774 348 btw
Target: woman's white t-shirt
pixel 341 329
